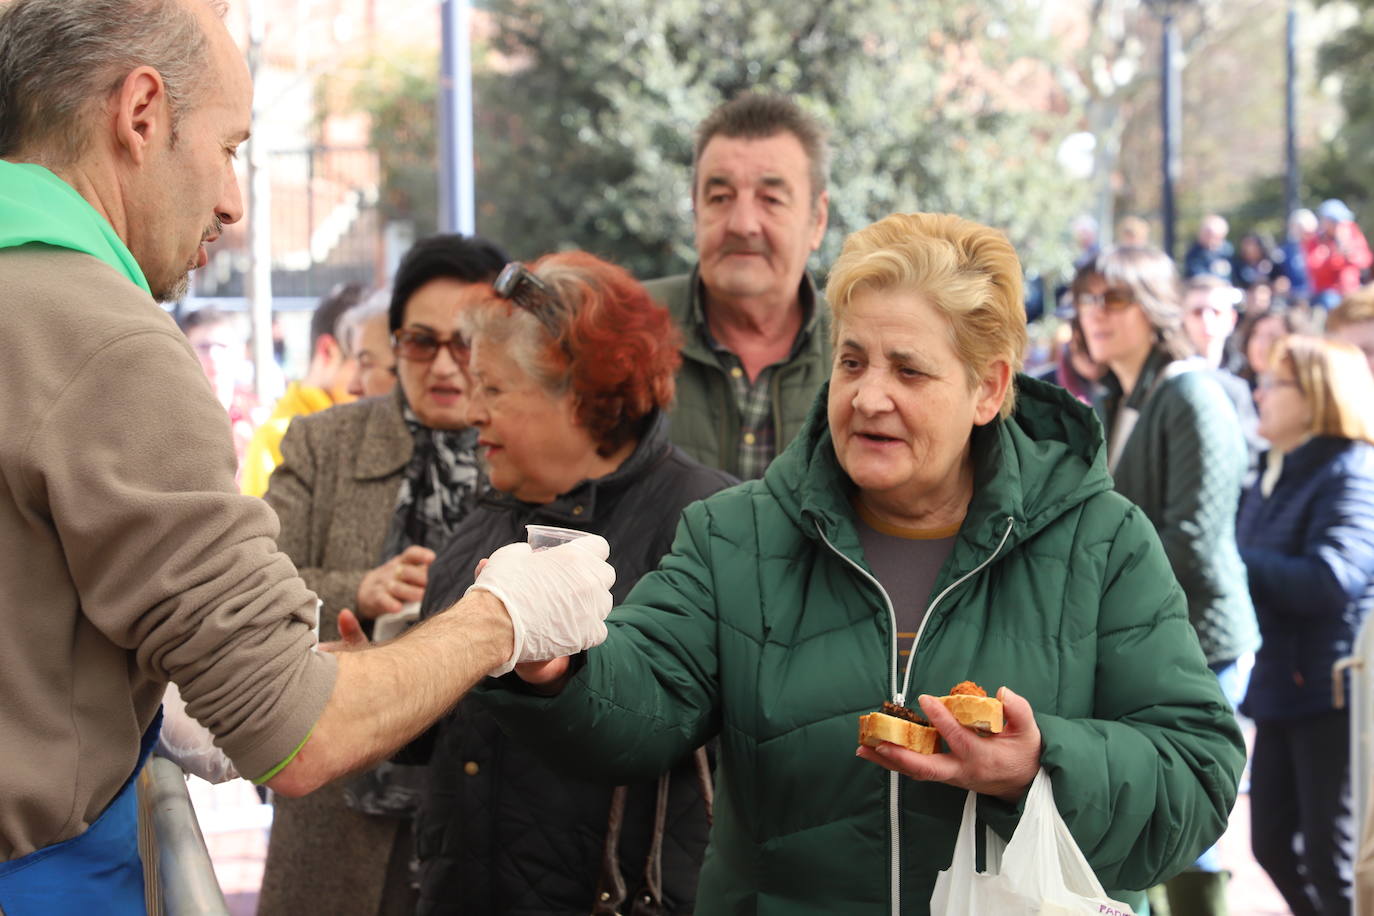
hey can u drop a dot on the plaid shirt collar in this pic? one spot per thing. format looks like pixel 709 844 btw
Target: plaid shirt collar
pixel 806 296
pixel 753 400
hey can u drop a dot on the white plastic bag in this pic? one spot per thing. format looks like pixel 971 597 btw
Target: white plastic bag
pixel 1041 872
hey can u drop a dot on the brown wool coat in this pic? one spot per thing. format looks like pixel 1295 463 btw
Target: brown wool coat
pixel 335 492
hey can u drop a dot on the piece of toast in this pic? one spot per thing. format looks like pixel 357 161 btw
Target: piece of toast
pixel 877 727
pixel 982 714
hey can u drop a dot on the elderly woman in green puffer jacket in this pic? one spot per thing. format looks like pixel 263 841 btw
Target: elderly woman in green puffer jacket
pixel 937 519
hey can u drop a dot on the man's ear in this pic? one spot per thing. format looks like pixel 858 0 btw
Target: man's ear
pixel 328 349
pixel 822 216
pixel 142 113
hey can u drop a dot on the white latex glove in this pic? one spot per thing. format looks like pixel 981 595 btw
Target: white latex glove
pixel 188 744
pixel 557 599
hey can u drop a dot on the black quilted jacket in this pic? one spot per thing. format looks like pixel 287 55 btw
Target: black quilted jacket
pixel 501 833
pixel 1184 464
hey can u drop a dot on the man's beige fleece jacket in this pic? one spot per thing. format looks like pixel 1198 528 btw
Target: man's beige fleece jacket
pixel 127 556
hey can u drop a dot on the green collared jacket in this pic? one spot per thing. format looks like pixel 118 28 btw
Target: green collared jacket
pixel 704 419
pixel 764 628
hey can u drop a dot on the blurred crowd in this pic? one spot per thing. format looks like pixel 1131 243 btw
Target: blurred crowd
pixel 1259 480
pixel 1285 336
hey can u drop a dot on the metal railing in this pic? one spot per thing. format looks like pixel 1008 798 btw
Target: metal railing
pixel 179 878
pixel 1359 665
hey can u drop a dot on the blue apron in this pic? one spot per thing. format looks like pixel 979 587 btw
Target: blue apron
pixel 97 872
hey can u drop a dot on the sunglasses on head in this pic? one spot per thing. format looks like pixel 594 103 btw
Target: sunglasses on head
pixel 519 284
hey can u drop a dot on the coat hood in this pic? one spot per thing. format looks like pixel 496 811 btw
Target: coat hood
pixel 1031 468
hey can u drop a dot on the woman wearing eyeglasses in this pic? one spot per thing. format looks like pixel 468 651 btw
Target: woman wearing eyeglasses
pixel 366 493
pixel 571 367
pixel 1306 533
pixel 1175 448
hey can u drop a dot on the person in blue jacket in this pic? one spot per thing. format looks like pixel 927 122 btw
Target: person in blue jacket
pixel 1306 535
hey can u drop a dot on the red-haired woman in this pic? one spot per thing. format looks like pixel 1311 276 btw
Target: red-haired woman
pixel 570 366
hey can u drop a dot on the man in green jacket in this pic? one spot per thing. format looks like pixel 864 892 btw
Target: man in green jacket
pixel 756 330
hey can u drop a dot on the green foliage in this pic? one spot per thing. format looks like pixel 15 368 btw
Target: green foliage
pixel 1348 165
pixel 399 92
pixel 1324 174
pixel 585 111
pixel 584 138
pixel 1344 167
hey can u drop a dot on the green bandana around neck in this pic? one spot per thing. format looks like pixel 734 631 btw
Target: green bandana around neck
pixel 37 207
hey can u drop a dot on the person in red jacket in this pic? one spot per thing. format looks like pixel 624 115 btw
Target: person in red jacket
pixel 1336 254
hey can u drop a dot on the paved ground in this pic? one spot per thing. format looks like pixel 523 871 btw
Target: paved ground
pixel 235 827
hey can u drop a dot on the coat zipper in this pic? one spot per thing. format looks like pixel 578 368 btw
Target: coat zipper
pixel 930 611
pixel 899 697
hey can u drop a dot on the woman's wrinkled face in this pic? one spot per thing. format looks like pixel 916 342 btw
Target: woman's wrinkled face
pixel 435 389
pixel 376 364
pixel 901 408
pixel 530 439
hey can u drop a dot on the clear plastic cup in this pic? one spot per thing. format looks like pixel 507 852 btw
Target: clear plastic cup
pixel 389 626
pixel 542 537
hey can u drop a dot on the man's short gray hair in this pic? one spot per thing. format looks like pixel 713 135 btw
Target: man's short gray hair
pixel 60 59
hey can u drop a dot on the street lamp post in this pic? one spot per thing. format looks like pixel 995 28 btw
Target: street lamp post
pixel 1171 119
pixel 456 208
pixel 258 286
pixel 1291 195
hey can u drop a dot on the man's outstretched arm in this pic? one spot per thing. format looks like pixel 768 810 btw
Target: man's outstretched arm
pixel 550 603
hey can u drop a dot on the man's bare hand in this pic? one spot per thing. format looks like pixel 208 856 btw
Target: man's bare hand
pixel 401 579
pixel 351 635
pixel 1001 765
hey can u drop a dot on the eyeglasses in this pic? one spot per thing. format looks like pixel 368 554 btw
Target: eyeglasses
pixel 422 346
pixel 1207 311
pixel 519 284
pixel 1269 383
pixel 1111 301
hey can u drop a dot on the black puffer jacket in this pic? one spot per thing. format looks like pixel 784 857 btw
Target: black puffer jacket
pixel 501 832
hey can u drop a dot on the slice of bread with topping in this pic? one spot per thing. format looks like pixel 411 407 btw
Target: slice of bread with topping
pixel 877 727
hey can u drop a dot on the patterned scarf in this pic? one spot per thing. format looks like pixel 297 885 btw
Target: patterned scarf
pixel 441 485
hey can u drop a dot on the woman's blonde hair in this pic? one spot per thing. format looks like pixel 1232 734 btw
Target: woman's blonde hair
pixel 1334 378
pixel 967 271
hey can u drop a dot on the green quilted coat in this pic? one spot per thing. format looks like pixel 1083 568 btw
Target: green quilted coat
pixel 765 629
pixel 1184 464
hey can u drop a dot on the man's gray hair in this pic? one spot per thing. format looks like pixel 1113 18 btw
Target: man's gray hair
pixel 758 116
pixel 375 303
pixel 61 59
